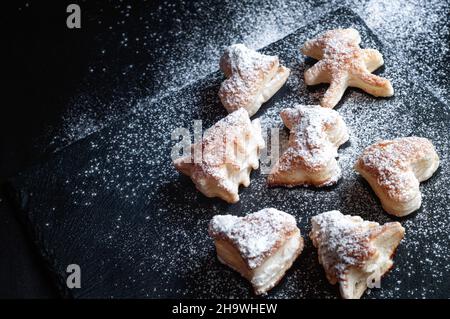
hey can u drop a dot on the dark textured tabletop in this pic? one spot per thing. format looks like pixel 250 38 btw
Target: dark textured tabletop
pixel 142 51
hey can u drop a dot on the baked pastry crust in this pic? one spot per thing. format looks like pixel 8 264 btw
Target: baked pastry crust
pixel 342 63
pixel 252 78
pixel 230 150
pixel 394 169
pixel 354 251
pixel 310 159
pixel 260 246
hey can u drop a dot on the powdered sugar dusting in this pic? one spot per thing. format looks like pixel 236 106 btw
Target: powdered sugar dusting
pixel 225 157
pixel 238 58
pixel 246 70
pixel 342 242
pixel 312 142
pixel 391 164
pixel 255 235
pixel 343 63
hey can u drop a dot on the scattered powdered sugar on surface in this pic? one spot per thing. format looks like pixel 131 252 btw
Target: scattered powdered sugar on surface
pixel 254 235
pixel 174 54
pixel 131 162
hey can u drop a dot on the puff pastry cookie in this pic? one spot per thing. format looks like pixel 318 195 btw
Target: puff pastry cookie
pixel 260 246
pixel 310 159
pixel 230 150
pixel 394 169
pixel 342 63
pixel 354 252
pixel 252 78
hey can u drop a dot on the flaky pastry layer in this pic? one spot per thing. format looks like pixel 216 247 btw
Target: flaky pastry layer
pixel 229 151
pixel 354 253
pixel 342 63
pixel 394 170
pixel 252 78
pixel 261 246
pixel 310 159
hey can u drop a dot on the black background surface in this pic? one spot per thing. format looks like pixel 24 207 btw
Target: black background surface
pixel 48 64
pixel 46 58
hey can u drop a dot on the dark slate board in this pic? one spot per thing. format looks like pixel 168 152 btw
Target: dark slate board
pixel 113 204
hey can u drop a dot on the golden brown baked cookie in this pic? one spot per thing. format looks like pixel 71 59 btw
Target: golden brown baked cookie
pixel 354 253
pixel 310 159
pixel 230 150
pixel 342 63
pixel 261 246
pixel 394 170
pixel 252 78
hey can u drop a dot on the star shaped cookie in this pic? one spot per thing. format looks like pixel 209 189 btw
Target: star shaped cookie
pixel 342 63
